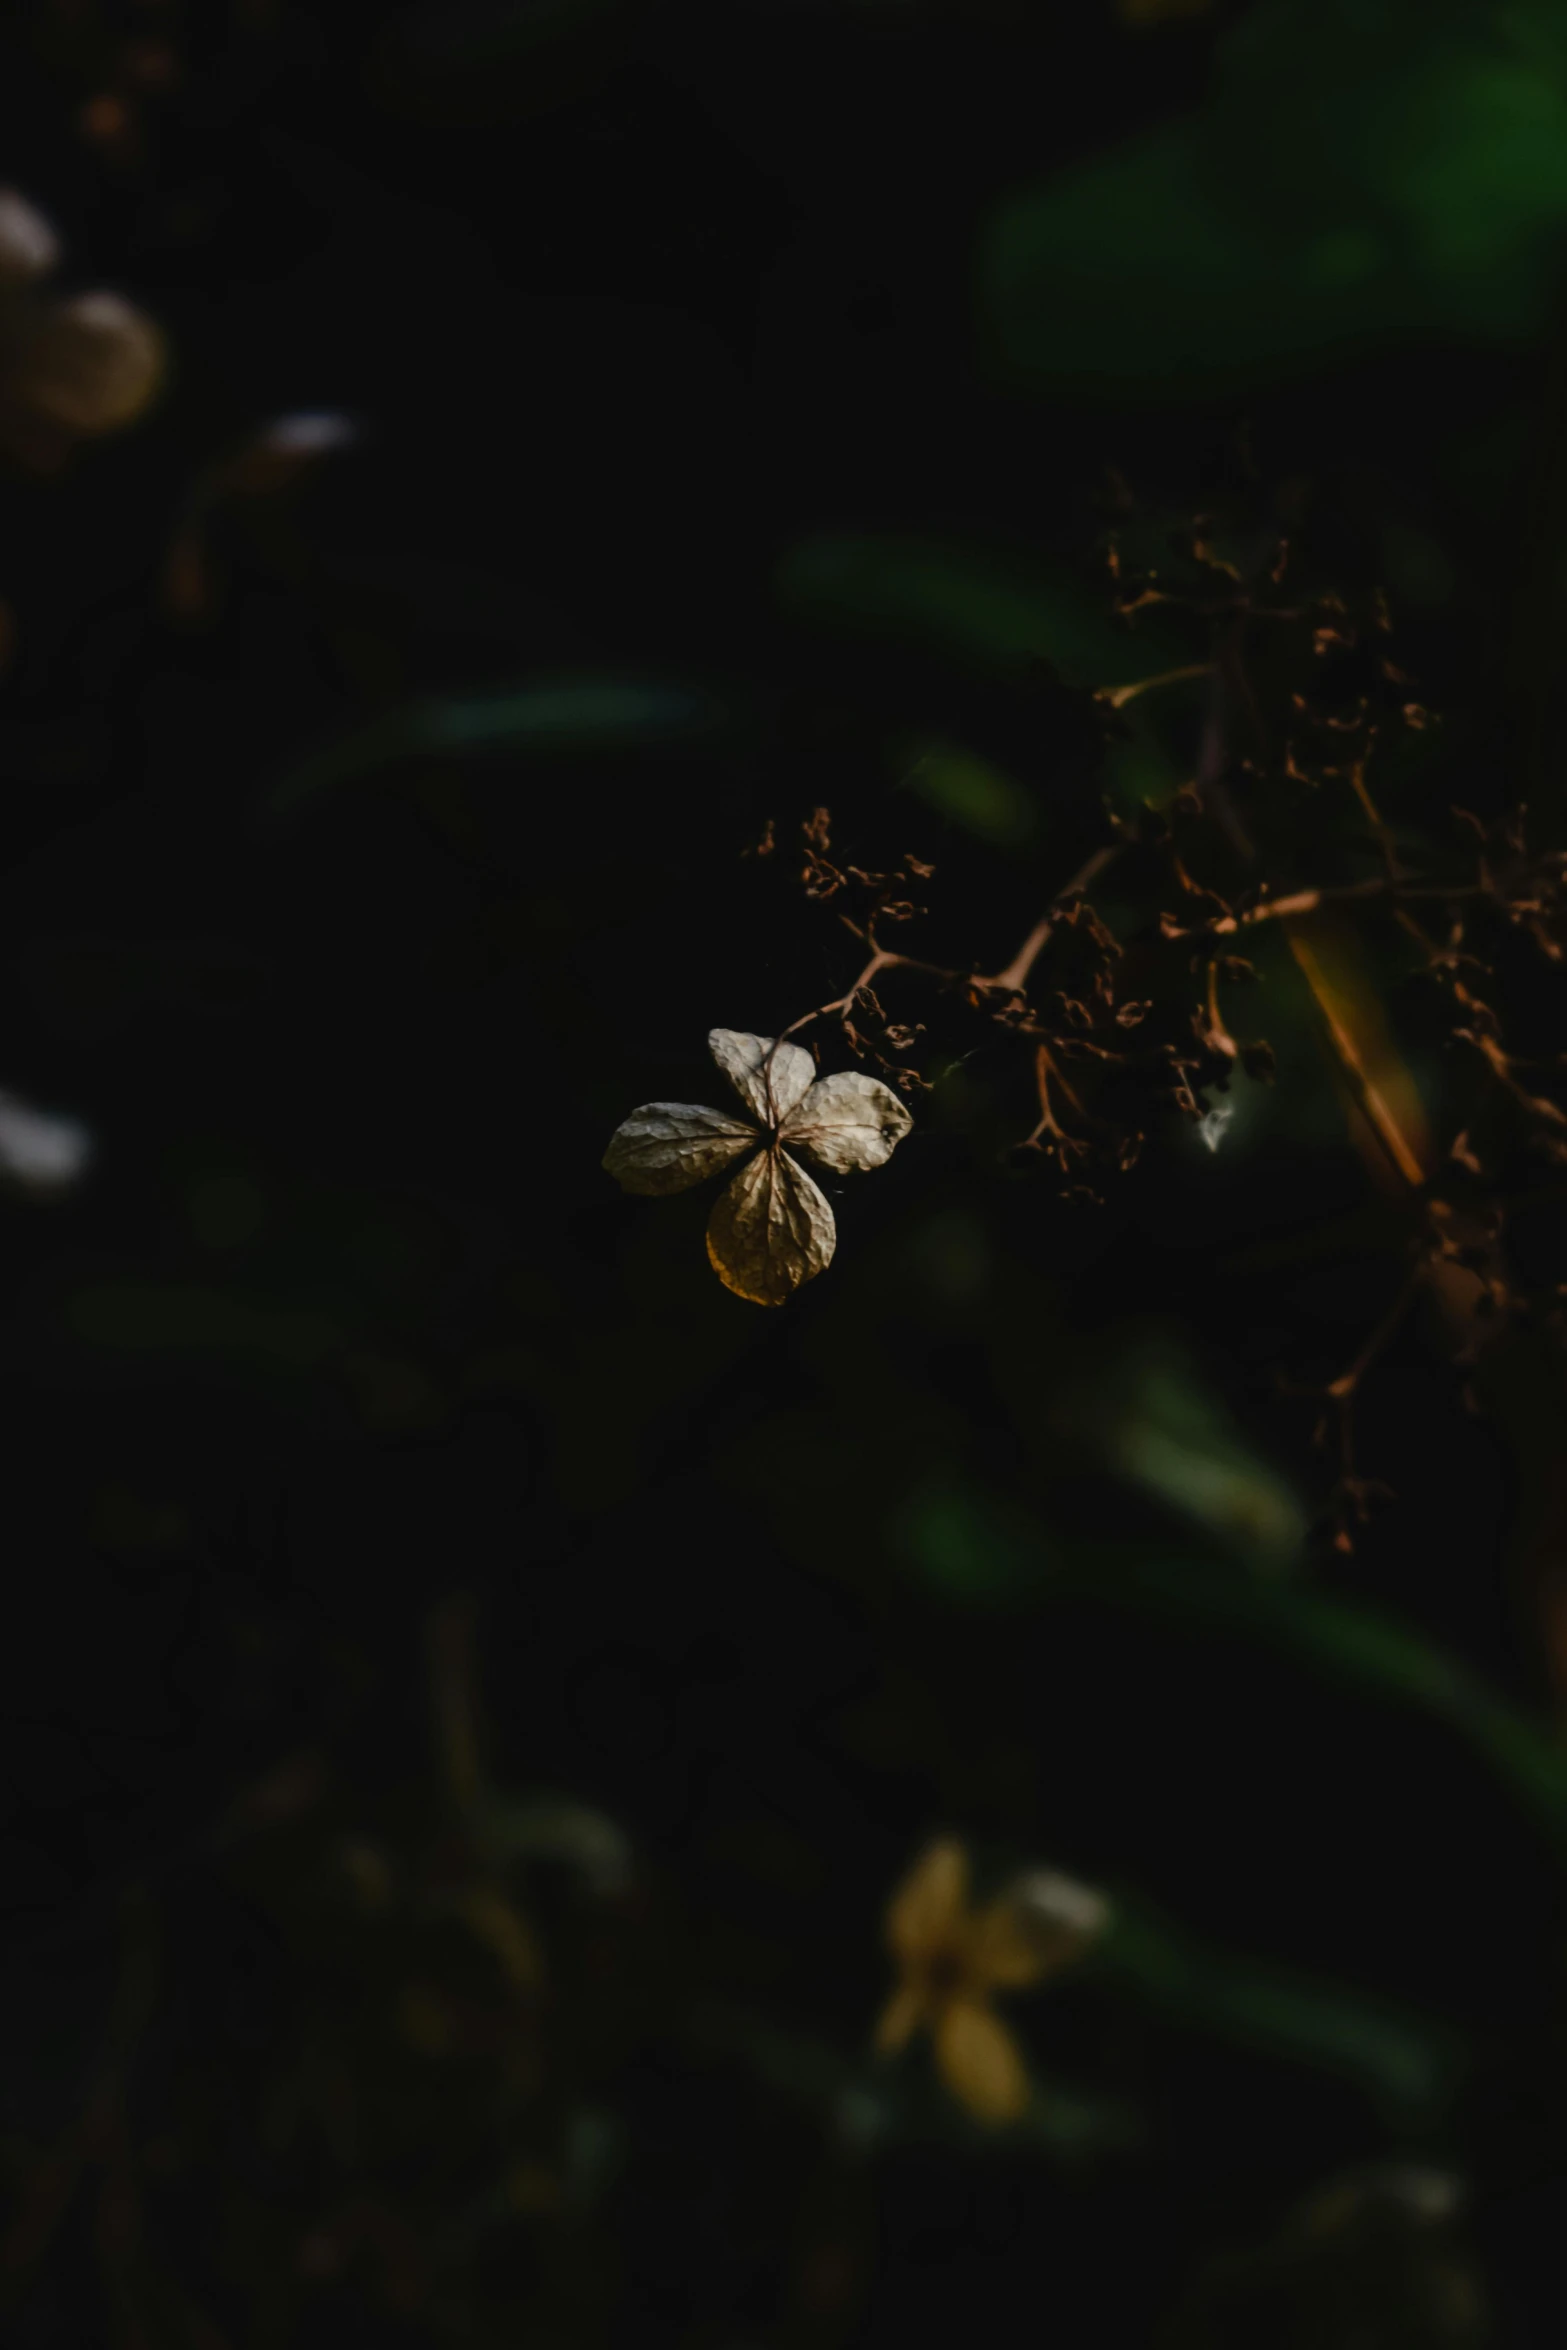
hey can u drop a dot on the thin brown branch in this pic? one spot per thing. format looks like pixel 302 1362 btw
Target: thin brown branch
pixel 1310 901
pixel 1116 697
pixel 1065 1145
pixel 1373 816
pixel 884 959
pixel 1346 1386
pixel 1367 1094
pixel 1014 978
pixel 1353 1495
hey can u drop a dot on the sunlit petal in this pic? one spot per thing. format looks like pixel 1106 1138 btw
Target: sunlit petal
pixel 924 1912
pixel 981 2063
pixel 770 1230
pixel 900 2018
pixel 848 1122
pixel 668 1146
pixel 1002 1950
pixel 769 1078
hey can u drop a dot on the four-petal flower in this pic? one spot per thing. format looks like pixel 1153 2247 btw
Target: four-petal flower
pixel 951 1958
pixel 772 1228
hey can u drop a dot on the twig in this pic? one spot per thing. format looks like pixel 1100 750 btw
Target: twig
pixel 1352 1493
pixel 1010 981
pixel 1368 1096
pixel 883 959
pixel 1310 901
pixel 1065 1145
pixel 1014 978
pixel 1116 697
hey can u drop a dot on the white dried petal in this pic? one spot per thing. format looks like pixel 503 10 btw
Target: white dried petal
pixel 93 365
pixel 29 246
pixel 668 1146
pixel 39 1149
pixel 1055 1903
pixel 769 1078
pixel 770 1230
pixel 848 1122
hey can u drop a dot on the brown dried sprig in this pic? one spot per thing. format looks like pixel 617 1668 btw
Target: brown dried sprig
pixel 1122 1030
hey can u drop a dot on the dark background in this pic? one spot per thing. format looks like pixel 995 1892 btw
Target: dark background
pixel 624 302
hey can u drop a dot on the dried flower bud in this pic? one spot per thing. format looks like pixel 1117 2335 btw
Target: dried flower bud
pixel 93 365
pixel 29 246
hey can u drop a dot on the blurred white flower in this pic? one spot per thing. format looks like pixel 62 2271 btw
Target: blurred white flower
pixel 1059 1909
pixel 29 246
pixel 40 1149
pixel 312 432
pixel 1215 1124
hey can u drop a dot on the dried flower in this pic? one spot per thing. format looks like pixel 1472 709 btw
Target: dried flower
pixel 951 1958
pixel 772 1228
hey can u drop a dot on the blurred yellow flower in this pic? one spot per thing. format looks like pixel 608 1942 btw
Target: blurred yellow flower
pixel 951 1958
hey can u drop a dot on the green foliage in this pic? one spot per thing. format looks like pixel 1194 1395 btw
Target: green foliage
pixel 975 1551
pixel 580 715
pixel 1308 214
pixel 1354 1645
pixel 972 793
pixel 1161 1428
pixel 948 1548
pixel 978 607
pixel 1409 2066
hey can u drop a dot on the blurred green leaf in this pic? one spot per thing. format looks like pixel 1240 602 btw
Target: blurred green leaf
pixel 875 2103
pixel 979 606
pixel 249 1335
pixel 1140 771
pixel 1353 1644
pixel 151 1317
pixel 1160 1426
pixel 1408 2064
pixel 556 1828
pixel 963 1543
pixel 971 793
pixel 1362 179
pixel 966 1547
pixel 569 715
